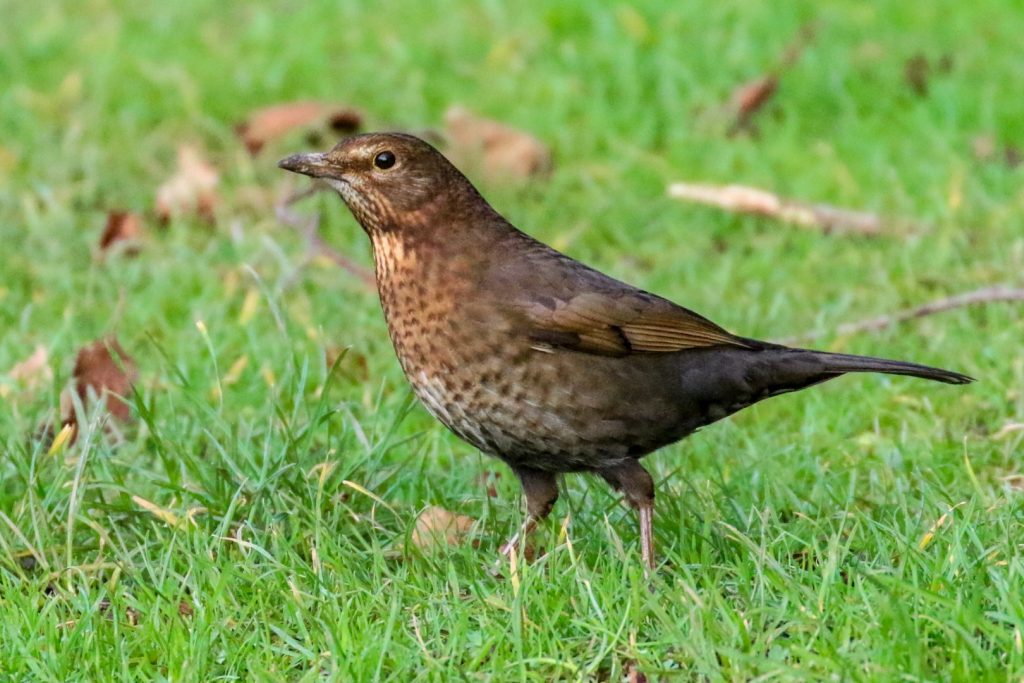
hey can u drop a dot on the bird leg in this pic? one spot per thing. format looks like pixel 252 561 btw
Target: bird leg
pixel 541 489
pixel 636 484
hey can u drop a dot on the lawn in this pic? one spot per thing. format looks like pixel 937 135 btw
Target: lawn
pixel 253 519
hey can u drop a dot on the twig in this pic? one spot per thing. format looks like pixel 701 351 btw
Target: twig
pixel 309 226
pixel 743 199
pixel 998 293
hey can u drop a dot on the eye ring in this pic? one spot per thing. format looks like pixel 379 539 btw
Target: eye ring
pixel 384 160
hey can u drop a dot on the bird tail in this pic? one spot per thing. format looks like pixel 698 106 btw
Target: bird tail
pixel 779 369
pixel 841 363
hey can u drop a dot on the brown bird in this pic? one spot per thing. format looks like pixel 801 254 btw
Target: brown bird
pixel 535 358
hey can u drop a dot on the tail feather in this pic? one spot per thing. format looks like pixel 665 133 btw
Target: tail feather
pixel 840 363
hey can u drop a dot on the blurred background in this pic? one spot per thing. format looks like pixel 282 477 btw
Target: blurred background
pixel 140 202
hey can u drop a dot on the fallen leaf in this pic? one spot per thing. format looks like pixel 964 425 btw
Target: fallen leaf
pixel 191 190
pixel 123 230
pixel 749 98
pixel 1014 482
pixel 633 674
pixel 1013 156
pixel 489 480
pixel 500 151
pixel 916 72
pixel 983 146
pixel 271 123
pixel 103 369
pixel 30 373
pixel 437 526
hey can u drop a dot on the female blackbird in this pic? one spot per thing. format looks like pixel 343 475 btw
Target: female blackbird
pixel 536 358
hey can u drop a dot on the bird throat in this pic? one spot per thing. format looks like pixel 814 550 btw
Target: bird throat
pixel 394 255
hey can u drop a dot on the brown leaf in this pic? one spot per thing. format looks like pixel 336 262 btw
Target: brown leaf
pixel 122 227
pixel 750 97
pixel 633 674
pixel 984 146
pixel 916 72
pixel 437 527
pixel 1014 157
pixel 103 368
pixel 271 123
pixel 489 480
pixel 32 372
pixel 185 609
pixel 191 190
pixel 500 151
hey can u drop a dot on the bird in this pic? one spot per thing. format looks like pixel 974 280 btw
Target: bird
pixel 535 358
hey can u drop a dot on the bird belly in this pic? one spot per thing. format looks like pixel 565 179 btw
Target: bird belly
pixel 558 412
pixel 553 410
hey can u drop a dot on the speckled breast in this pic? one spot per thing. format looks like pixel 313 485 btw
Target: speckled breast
pixel 466 366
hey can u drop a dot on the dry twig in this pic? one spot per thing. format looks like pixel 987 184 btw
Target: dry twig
pixel 997 293
pixel 309 226
pixel 743 199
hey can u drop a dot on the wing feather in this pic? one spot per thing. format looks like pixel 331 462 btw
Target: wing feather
pixel 620 323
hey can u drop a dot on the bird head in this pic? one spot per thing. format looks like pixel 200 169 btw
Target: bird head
pixel 388 180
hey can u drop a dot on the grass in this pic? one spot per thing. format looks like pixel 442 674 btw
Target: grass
pixel 863 530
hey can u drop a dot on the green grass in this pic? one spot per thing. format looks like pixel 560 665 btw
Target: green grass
pixel 793 536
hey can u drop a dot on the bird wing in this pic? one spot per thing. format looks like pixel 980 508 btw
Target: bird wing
pixel 620 323
pixel 559 303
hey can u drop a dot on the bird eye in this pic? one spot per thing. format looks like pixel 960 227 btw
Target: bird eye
pixel 384 160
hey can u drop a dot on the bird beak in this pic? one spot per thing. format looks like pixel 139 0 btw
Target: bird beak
pixel 313 165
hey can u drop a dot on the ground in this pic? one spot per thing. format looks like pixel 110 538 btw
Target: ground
pixel 253 520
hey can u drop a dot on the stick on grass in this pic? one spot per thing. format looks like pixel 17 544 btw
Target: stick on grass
pixel 985 295
pixel 758 202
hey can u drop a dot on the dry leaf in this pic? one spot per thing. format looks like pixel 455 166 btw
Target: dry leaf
pixel 916 71
pixel 30 373
pixel 634 675
pixel 489 481
pixel 191 190
pixel 278 120
pixel 437 526
pixel 750 97
pixel 500 151
pixel 102 369
pixel 985 148
pixel 1014 482
pixel 123 227
pixel 1013 156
